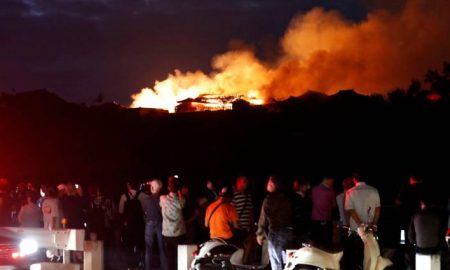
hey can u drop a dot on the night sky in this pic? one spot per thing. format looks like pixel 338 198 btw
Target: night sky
pixel 80 48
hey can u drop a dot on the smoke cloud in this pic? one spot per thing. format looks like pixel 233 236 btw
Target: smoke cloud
pixel 323 51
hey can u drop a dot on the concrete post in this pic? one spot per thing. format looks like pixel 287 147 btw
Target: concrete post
pixel 185 256
pixel 93 255
pixel 428 262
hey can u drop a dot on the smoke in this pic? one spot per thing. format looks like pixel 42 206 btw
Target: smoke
pixel 323 51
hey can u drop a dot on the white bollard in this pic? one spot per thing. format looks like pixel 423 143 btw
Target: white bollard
pixel 93 255
pixel 402 237
pixel 428 262
pixel 185 256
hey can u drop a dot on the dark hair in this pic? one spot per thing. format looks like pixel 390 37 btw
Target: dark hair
pixel 173 184
pixel 50 191
pixel 228 193
pixel 33 196
pixel 132 183
pixel 277 182
pixel 427 196
pixel 302 181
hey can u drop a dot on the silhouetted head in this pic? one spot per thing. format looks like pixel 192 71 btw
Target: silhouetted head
pixel 61 189
pixel 131 184
pixel 347 183
pixel 185 190
pixel 50 191
pixel 210 185
pixel 328 181
pixel 414 179
pixel 173 184
pixel 356 176
pixel 226 194
pixel 301 185
pixel 155 186
pixel 93 189
pixel 71 190
pixel 241 183
pixel 273 184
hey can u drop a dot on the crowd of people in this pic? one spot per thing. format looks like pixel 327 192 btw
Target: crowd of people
pixel 148 222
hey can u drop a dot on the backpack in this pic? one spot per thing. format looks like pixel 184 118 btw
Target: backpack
pixel 133 215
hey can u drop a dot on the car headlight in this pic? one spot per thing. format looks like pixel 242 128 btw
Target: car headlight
pixel 27 247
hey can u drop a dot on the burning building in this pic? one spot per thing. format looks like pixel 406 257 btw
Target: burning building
pixel 209 103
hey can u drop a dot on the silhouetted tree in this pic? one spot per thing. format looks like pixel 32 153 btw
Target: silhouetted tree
pixel 414 89
pixel 439 82
pixel 99 99
pixel 397 95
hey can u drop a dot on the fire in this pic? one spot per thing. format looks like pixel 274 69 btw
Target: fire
pixel 237 73
pixel 323 51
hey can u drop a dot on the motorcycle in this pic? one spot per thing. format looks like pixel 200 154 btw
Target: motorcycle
pixel 309 257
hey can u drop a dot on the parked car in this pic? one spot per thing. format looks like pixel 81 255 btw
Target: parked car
pixel 16 253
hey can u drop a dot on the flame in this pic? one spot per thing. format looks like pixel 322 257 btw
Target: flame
pixel 323 51
pixel 237 73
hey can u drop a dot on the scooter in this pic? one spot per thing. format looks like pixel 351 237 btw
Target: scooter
pixel 219 254
pixel 213 254
pixel 308 256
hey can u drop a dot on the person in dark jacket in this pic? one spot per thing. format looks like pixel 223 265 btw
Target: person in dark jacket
pixel 275 222
pixel 153 225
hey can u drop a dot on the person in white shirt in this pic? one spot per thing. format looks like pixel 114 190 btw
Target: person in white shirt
pixel 362 205
pixel 51 210
pixel 30 215
pixel 51 213
pixel 173 226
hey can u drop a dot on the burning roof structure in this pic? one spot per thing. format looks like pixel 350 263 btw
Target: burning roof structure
pixel 208 103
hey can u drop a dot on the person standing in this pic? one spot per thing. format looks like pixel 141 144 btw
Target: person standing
pixel 221 217
pixel 51 213
pixel 30 215
pixel 173 227
pixel 428 228
pixel 74 208
pixel 302 211
pixel 275 223
pixel 362 204
pixel 324 203
pixel 130 209
pixel 153 225
pixel 191 214
pixel 243 203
